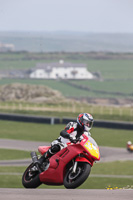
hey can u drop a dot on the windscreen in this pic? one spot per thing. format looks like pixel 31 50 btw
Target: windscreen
pixel 93 141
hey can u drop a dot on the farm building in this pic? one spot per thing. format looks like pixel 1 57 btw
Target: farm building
pixel 60 70
pixel 6 47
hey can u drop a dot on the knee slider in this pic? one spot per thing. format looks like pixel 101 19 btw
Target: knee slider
pixel 55 148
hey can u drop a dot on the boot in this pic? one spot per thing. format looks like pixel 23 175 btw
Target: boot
pixel 44 157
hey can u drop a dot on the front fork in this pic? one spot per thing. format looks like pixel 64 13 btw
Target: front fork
pixel 74 167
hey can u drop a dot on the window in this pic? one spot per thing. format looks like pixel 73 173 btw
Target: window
pixel 65 75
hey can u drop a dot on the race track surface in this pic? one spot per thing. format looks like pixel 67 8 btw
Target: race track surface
pixel 64 194
pixel 108 154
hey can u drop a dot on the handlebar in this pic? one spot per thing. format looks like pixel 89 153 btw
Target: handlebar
pixel 75 140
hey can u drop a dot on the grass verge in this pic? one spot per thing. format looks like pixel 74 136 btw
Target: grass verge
pixel 119 113
pixel 11 181
pixel 12 154
pixel 45 132
pixel 113 168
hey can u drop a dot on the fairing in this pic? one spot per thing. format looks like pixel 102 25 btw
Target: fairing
pixel 84 151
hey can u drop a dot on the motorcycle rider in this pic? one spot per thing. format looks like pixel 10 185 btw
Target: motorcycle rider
pixel 72 131
pixel 130 146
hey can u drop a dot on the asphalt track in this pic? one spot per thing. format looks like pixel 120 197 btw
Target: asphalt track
pixel 108 154
pixel 65 194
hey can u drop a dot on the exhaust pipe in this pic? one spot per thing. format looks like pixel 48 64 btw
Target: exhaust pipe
pixel 34 157
pixel 35 160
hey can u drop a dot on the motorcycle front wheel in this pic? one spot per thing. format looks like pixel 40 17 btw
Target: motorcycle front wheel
pixel 74 180
pixel 30 178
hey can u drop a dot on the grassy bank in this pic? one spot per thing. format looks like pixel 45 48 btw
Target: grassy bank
pixel 97 89
pixel 101 112
pixel 46 132
pixel 12 154
pixel 115 168
pixel 111 168
pixel 12 181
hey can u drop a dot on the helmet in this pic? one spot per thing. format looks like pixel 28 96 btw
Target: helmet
pixel 129 143
pixel 85 120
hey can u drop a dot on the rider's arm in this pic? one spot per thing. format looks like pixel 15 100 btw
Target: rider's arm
pixel 66 132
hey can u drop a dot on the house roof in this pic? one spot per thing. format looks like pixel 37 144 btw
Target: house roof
pixel 63 64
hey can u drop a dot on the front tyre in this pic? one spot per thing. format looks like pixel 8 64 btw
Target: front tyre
pixel 30 178
pixel 74 180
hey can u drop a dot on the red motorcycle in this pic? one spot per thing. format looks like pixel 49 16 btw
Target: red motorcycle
pixel 69 167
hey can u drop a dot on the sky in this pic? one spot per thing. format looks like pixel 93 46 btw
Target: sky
pixel 105 16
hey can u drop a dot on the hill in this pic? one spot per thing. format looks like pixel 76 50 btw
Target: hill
pixel 30 93
pixel 68 41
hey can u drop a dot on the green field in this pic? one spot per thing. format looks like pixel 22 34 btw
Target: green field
pixel 12 176
pixel 109 68
pixel 45 132
pixel 14 181
pixel 116 73
pixel 103 89
pixel 112 69
pixel 111 168
pixel 12 154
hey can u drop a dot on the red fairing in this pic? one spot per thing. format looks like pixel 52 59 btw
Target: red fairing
pixel 83 159
pixel 43 149
pixel 54 175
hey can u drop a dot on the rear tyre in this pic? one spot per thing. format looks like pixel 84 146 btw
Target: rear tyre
pixel 74 180
pixel 30 179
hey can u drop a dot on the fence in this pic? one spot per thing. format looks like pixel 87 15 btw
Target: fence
pixel 73 108
pixel 54 120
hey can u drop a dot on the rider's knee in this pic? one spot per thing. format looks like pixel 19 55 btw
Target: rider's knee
pixel 55 148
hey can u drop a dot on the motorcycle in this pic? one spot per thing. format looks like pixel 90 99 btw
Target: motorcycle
pixel 130 146
pixel 69 167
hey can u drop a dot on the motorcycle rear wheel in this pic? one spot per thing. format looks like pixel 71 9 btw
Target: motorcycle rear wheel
pixel 31 180
pixel 74 180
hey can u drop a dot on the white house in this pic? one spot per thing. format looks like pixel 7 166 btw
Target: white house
pixel 6 47
pixel 60 70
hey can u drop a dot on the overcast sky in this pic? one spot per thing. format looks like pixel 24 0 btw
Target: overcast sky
pixel 67 15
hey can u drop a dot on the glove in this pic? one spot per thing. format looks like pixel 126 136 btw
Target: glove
pixel 72 139
pixel 80 138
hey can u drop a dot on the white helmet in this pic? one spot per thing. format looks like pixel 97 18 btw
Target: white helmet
pixel 85 120
pixel 129 143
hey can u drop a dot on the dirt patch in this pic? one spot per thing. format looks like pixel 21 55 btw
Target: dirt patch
pixel 30 93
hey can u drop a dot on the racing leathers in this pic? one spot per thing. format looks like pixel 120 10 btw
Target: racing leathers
pixel 71 132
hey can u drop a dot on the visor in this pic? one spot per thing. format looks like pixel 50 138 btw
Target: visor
pixel 88 123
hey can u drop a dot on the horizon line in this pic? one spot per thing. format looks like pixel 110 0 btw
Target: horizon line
pixel 63 31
